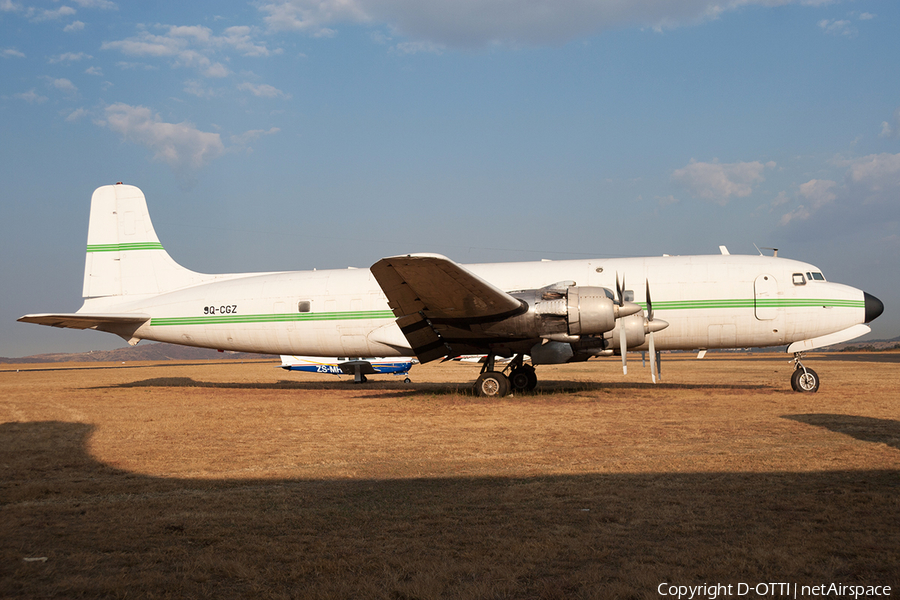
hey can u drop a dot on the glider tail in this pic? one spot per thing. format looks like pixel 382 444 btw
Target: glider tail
pixel 124 256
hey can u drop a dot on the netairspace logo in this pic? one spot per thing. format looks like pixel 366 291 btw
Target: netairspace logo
pixel 772 590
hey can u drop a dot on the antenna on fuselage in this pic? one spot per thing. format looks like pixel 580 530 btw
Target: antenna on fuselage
pixel 760 250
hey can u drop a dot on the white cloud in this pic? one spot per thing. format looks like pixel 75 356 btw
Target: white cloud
pixel 180 145
pixel 311 16
pixel 718 182
pixel 31 97
pixel 12 53
pixel 253 134
pixel 192 46
pixel 216 70
pixel 818 194
pixel 62 84
pixel 10 6
pixel 876 172
pixel 239 38
pixel 69 57
pixel 74 26
pixel 76 115
pixel 51 15
pixel 838 27
pixel 263 90
pixel 819 191
pixel 101 4
pixel 482 23
pixel 891 130
pixel 868 194
pixel 94 71
pixel 196 88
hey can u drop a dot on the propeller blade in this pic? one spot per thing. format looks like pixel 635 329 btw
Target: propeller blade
pixel 623 347
pixel 652 351
pixel 620 289
pixel 649 303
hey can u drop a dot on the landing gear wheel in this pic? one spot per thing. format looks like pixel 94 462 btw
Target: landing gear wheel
pixel 407 380
pixel 492 384
pixel 523 379
pixel 805 380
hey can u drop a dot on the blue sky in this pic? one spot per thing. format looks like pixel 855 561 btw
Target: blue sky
pixel 299 134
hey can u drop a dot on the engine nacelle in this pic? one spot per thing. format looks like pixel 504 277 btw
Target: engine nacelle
pixel 633 329
pixel 562 313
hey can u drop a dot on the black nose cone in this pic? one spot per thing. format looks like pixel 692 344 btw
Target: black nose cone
pixel 874 307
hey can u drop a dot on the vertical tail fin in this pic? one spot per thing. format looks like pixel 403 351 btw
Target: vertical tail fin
pixel 124 256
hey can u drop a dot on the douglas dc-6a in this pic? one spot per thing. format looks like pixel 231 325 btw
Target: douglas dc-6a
pixel 427 306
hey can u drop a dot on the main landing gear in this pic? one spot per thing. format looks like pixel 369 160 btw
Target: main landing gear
pixel 521 378
pixel 803 379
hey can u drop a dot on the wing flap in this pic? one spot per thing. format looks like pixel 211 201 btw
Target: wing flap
pixel 422 337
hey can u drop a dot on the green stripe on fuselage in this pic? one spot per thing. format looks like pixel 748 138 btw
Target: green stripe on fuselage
pixel 748 303
pixel 751 303
pixel 124 247
pixel 271 318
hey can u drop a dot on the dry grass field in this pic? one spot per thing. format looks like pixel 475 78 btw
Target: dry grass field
pixel 240 480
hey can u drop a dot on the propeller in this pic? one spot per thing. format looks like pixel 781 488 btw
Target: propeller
pixel 650 327
pixel 647 328
pixel 623 341
pixel 652 344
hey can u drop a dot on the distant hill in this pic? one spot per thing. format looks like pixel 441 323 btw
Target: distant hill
pixel 141 352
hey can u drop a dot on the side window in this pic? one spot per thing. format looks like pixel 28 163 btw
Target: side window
pixel 799 279
pixel 303 306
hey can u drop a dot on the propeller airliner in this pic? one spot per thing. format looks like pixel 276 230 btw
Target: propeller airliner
pixel 430 307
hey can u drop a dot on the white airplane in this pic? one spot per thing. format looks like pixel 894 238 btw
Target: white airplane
pixel 358 367
pixel 427 306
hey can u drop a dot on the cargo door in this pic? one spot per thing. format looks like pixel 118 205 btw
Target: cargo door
pixel 765 298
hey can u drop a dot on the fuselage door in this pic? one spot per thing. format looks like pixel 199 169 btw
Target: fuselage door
pixel 765 297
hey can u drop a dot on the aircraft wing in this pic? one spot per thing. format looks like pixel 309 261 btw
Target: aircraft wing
pixel 430 294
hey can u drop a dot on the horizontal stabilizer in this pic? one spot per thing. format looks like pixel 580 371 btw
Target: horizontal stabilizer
pixel 84 321
pixel 123 325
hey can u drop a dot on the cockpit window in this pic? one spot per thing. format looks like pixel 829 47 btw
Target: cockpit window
pixel 799 279
pixel 815 276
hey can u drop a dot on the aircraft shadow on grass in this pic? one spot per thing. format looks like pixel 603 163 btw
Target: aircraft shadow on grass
pixel 406 389
pixel 866 429
pixel 93 530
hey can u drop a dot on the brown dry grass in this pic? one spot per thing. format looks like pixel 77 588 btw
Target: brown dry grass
pixel 241 480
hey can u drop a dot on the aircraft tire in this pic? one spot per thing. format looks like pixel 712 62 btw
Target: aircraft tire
pixel 523 379
pixel 805 381
pixel 492 384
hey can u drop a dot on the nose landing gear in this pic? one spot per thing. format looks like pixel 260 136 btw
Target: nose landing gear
pixel 803 379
